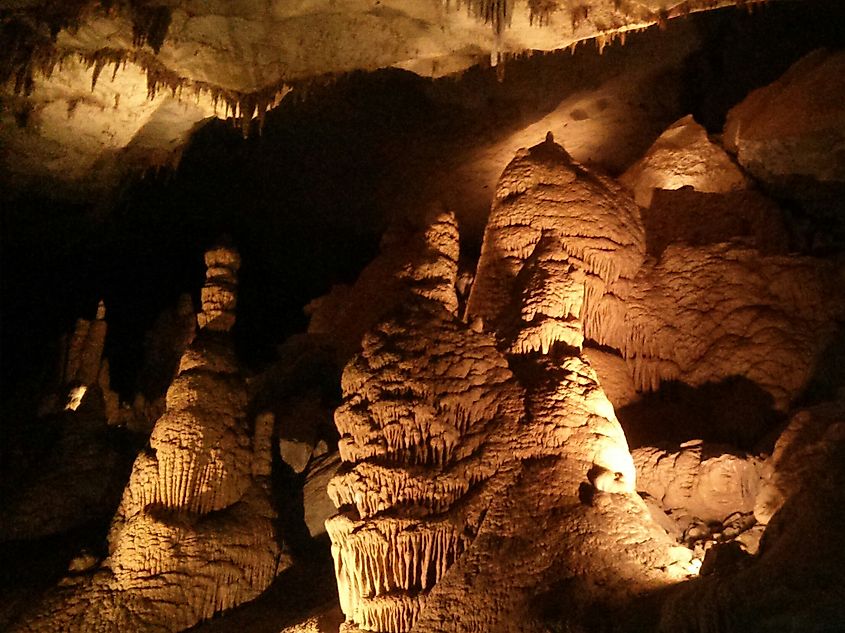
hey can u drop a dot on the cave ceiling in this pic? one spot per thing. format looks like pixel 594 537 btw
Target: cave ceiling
pixel 95 90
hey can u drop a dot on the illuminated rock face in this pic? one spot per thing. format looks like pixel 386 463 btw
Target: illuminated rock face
pixel 460 474
pixel 708 313
pixel 194 533
pixel 798 578
pixel 683 156
pixel 422 264
pixel 701 481
pixel 579 227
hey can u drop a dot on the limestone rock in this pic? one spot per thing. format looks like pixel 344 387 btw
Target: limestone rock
pixel 416 414
pixel 316 502
pixel 705 314
pixel 468 488
pixel 700 219
pixel 683 156
pixel 613 376
pixel 194 533
pixel 699 480
pixel 797 579
pixel 424 263
pixel 789 131
pixel 219 294
pixel 546 201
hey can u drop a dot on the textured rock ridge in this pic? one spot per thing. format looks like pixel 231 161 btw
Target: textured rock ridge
pixel 422 264
pixel 194 534
pixel 797 580
pixel 424 403
pixel 699 481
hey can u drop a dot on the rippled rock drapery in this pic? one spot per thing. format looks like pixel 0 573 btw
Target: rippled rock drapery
pixel 194 533
pixel 708 313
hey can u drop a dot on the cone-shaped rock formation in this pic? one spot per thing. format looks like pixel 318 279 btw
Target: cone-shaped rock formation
pixel 194 533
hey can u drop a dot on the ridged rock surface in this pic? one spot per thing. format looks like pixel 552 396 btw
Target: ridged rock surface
pixel 709 313
pixel 797 581
pixel 546 201
pixel 424 263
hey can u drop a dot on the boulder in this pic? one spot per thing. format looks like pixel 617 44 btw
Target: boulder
pixel 683 156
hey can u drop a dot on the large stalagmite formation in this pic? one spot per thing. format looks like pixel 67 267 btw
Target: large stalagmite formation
pixel 194 533
pixel 421 401
pixel 439 447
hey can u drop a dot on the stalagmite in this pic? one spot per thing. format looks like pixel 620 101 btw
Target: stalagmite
pixel 194 534
pixel 544 195
pixel 423 264
pixel 438 446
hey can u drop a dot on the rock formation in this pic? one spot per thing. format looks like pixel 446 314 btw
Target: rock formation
pixel 698 314
pixel 194 533
pixel 106 88
pixel 798 578
pixel 683 156
pixel 546 201
pixel 786 133
pixel 708 313
pixel 440 439
pixel 699 481
pixel 424 263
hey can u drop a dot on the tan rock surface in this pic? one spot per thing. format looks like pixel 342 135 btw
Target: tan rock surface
pixel 705 314
pixel 701 481
pixel 544 195
pixel 424 264
pixel 683 156
pixel 439 448
pixel 797 580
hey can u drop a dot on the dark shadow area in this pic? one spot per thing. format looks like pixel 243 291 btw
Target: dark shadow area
pixel 752 48
pixel 31 567
pixel 734 411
